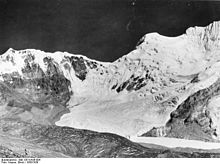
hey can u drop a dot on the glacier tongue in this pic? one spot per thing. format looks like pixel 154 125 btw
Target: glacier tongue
pixel 131 95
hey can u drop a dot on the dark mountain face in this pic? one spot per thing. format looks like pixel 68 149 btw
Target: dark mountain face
pixel 192 119
pixel 101 29
pixel 194 115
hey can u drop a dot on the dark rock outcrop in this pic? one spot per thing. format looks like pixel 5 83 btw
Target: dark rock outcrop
pixel 192 119
pixel 79 67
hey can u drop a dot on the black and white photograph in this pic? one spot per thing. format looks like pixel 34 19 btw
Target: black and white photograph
pixel 109 79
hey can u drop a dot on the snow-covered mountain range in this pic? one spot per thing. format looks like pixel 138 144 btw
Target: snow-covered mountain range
pixel 167 86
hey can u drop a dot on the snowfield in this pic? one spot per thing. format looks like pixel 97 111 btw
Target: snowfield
pixel 175 142
pixel 172 62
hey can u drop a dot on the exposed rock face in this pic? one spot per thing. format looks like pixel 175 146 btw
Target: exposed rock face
pixel 35 94
pixel 79 67
pixel 194 119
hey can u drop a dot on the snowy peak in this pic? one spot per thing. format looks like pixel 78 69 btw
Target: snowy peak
pixel 207 38
pixel 202 36
pixel 153 65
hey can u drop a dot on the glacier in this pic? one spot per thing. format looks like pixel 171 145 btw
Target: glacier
pixel 165 87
